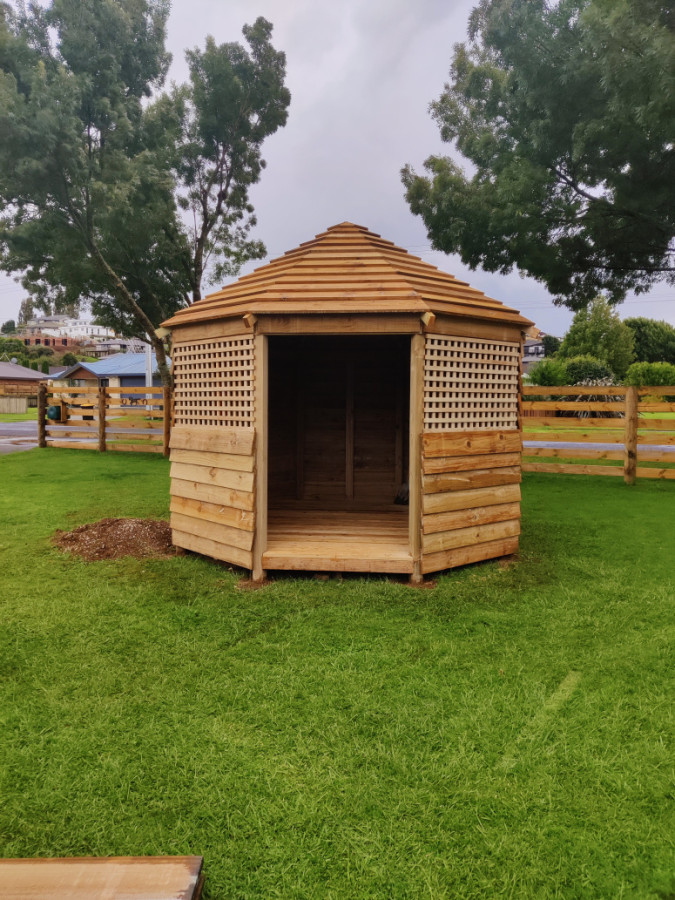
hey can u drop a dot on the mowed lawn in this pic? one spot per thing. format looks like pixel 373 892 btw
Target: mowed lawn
pixel 505 734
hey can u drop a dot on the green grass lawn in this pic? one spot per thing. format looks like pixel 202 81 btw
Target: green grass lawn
pixel 29 416
pixel 506 734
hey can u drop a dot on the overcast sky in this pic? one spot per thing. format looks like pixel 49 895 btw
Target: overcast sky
pixel 362 74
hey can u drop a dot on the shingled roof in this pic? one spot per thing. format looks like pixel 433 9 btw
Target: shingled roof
pixel 347 269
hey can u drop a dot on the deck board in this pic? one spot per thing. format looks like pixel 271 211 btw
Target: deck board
pixel 338 541
pixel 107 878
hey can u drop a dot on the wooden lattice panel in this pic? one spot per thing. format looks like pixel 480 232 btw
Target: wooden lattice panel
pixel 214 383
pixel 470 384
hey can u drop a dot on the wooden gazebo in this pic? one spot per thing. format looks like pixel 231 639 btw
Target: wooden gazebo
pixel 347 407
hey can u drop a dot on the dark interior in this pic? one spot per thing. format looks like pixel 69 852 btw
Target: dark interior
pixel 338 421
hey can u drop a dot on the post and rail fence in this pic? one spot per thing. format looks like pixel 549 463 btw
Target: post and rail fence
pixel 105 418
pixel 574 430
pixel 619 431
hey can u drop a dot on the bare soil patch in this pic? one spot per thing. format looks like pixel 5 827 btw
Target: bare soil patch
pixel 115 538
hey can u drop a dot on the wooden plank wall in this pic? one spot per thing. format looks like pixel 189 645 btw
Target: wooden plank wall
pixel 213 492
pixel 471 497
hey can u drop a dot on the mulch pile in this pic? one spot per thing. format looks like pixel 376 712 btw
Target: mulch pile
pixel 114 538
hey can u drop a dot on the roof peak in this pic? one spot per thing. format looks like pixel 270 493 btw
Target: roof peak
pixel 347 268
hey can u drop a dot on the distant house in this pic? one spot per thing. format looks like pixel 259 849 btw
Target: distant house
pixel 121 370
pixel 19 379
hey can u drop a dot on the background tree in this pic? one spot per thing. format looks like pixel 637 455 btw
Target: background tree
pixel 26 309
pixel 654 340
pixel 565 111
pixel 551 345
pixel 598 332
pixel 97 168
pixel 8 327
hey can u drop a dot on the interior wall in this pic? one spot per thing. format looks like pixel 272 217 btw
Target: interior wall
pixel 338 420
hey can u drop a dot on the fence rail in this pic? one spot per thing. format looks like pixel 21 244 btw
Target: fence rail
pixel 632 429
pixel 105 418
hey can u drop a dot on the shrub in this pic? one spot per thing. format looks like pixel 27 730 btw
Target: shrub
pixel 644 374
pixel 45 367
pixel 548 373
pixel 587 368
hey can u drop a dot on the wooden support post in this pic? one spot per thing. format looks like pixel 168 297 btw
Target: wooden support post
pixel 349 428
pixel 415 474
pixel 42 412
pixel 631 436
pixel 261 356
pixel 167 395
pixel 102 413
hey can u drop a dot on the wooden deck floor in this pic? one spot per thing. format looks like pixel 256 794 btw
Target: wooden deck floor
pixel 317 540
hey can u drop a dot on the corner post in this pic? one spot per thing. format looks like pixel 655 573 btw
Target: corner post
pixel 415 485
pixel 261 355
pixel 168 418
pixel 631 436
pixel 42 412
pixel 102 413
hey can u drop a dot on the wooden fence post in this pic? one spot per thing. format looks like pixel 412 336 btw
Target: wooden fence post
pixel 102 412
pixel 168 415
pixel 42 412
pixel 631 436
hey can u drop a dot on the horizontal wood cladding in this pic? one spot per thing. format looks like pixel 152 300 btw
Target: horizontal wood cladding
pixel 444 443
pixel 463 556
pixel 471 497
pixel 213 475
pixel 214 440
pixel 215 549
pixel 229 516
pixel 463 518
pixel 213 492
pixel 467 537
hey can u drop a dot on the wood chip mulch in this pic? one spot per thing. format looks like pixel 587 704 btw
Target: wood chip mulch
pixel 115 538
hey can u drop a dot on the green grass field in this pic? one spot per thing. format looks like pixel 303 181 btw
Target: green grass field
pixel 505 734
pixel 29 416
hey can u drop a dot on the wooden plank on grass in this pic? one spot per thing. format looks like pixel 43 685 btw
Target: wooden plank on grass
pixel 666 474
pixel 216 440
pixel 582 437
pixel 563 405
pixel 572 453
pixel 443 443
pixel 534 390
pixel 89 878
pixel 463 556
pixel 571 469
pixel 73 445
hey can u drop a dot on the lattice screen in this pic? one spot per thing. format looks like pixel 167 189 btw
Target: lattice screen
pixel 470 384
pixel 214 383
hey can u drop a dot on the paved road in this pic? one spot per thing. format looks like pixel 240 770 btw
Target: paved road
pixel 15 436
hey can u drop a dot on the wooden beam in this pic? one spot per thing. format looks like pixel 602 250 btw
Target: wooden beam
pixel 261 356
pixel 417 344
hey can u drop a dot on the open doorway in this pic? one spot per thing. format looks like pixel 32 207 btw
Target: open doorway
pixel 338 445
